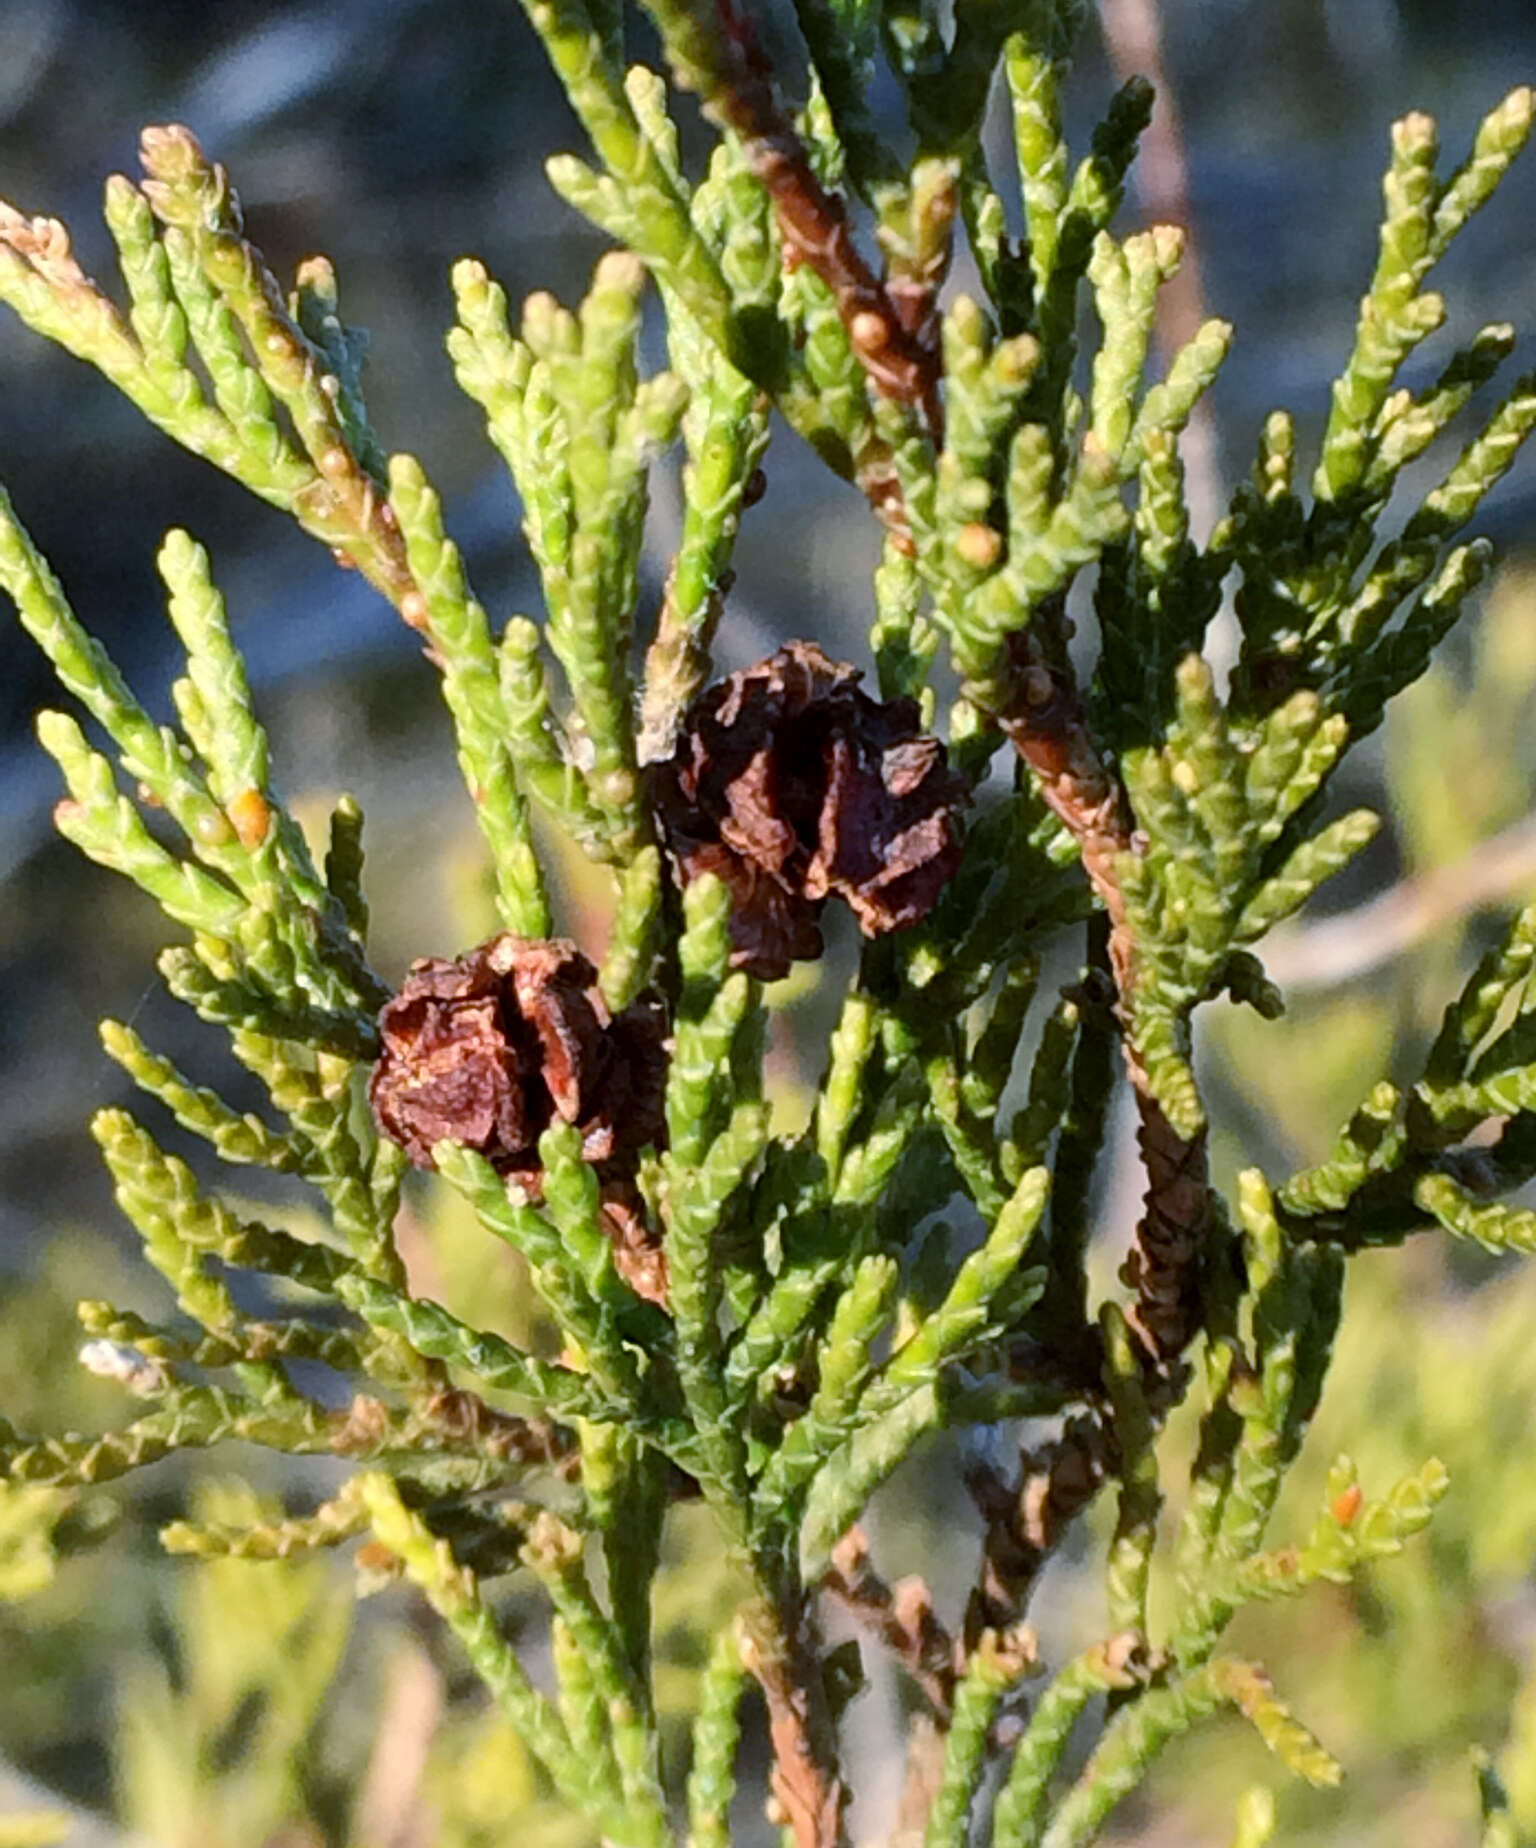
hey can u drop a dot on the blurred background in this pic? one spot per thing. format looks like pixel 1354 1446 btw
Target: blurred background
pixel 240 1706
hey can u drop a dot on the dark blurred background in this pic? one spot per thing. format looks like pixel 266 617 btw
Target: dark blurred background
pixel 396 136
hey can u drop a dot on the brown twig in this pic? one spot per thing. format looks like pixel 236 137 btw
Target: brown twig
pixel 1163 1265
pixel 901 1615
pixel 1044 720
pixel 1345 947
pixel 1026 1519
pixel 814 224
pixel 390 1811
pixel 779 1650
pixel 719 57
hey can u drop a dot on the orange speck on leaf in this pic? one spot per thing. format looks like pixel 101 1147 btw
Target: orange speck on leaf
pixel 1346 1504
pixel 248 810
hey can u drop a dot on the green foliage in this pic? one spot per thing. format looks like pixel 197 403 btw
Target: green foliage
pixel 774 1321
pixel 27 1520
pixel 218 1747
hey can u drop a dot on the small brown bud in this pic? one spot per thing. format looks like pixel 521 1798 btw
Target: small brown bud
pixel 869 331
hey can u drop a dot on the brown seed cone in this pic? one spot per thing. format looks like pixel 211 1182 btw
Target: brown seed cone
pixel 792 785
pixel 492 1047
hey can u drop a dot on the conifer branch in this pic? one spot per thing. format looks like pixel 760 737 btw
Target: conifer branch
pixel 718 56
pixel 712 1306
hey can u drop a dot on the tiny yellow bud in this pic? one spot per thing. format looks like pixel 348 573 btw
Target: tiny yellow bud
pixel 979 546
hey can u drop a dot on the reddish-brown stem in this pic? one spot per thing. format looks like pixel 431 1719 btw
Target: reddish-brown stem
pixel 724 62
pixel 1044 721
pixel 779 1650
pixel 814 225
pixel 1163 1267
pixel 901 1615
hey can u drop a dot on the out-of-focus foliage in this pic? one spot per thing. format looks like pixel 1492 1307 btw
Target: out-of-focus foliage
pixel 215 1746
pixel 1422 1662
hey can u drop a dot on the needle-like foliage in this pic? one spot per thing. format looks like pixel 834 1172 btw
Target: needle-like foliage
pixel 773 1320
